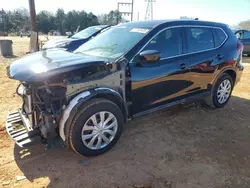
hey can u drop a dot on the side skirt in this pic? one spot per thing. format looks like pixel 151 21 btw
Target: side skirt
pixel 164 106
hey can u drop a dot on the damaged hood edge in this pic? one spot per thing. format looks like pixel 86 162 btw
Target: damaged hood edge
pixel 46 63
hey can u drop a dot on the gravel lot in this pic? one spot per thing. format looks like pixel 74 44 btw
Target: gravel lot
pixel 187 146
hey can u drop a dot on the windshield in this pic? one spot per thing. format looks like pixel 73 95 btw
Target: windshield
pixel 114 42
pixel 88 32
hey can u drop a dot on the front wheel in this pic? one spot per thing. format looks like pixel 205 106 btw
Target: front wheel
pixel 221 92
pixel 96 127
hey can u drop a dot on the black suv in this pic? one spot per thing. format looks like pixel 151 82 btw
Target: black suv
pixel 132 69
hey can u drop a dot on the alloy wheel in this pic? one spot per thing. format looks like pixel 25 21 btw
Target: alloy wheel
pixel 224 91
pixel 99 130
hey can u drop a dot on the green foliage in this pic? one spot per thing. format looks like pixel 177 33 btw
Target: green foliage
pixel 46 21
pixel 14 21
pixel 60 20
pixel 18 20
pixel 112 18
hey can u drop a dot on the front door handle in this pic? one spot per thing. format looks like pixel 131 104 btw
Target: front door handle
pixel 182 65
pixel 219 56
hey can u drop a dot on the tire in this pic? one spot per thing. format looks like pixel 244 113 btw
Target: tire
pixel 214 100
pixel 83 127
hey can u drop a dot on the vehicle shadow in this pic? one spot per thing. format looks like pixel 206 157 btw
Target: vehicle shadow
pixel 11 57
pixel 187 145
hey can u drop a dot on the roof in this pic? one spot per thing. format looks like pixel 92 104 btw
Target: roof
pixel 155 23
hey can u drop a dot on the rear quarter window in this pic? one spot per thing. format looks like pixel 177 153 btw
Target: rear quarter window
pixel 219 36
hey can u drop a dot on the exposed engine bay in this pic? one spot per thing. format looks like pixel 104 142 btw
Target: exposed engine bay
pixel 43 106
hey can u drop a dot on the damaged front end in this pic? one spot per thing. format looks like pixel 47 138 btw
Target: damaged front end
pixel 37 119
pixel 47 96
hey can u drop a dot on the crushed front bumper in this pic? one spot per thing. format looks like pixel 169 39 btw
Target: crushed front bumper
pixel 19 128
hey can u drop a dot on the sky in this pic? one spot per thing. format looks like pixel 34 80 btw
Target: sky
pixel 230 12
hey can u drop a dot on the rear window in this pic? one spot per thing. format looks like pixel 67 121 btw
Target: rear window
pixel 219 37
pixel 199 39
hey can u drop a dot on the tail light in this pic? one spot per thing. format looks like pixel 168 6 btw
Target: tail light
pixel 240 47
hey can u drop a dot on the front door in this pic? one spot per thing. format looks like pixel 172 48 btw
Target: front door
pixel 155 84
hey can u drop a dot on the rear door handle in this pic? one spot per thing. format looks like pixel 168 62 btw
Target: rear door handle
pixel 183 65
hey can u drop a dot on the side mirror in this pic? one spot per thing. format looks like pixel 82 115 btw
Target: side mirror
pixel 149 56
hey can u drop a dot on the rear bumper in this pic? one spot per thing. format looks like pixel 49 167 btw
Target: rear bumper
pixel 19 128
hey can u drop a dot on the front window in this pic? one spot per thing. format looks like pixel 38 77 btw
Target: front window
pixel 114 42
pixel 88 32
pixel 168 43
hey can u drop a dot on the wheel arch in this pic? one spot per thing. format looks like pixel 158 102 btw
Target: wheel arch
pixel 229 71
pixel 232 73
pixel 77 102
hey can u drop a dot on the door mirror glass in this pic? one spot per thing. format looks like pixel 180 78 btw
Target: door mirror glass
pixel 149 56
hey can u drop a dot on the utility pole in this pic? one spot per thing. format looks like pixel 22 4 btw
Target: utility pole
pixel 126 13
pixel 132 10
pixel 32 15
pixel 34 34
pixel 149 11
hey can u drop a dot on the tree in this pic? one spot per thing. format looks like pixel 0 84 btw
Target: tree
pixel 14 21
pixel 92 19
pixel 112 18
pixel 103 19
pixel 4 21
pixel 21 20
pixel 46 21
pixel 60 20
pixel 83 19
pixel 72 21
pixel 18 20
pixel 245 25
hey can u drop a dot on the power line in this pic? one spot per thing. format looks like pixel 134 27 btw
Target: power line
pixel 149 11
pixel 129 12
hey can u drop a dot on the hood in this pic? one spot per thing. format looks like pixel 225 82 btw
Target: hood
pixel 55 42
pixel 46 63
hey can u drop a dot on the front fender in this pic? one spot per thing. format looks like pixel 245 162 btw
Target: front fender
pixel 76 103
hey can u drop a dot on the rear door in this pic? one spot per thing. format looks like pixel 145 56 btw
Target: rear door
pixel 203 53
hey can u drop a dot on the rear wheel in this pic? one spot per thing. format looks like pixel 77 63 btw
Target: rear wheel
pixel 221 92
pixel 96 127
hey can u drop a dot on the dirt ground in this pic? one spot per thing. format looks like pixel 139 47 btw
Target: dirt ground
pixel 188 146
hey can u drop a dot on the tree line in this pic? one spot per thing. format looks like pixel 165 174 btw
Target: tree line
pixel 18 21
